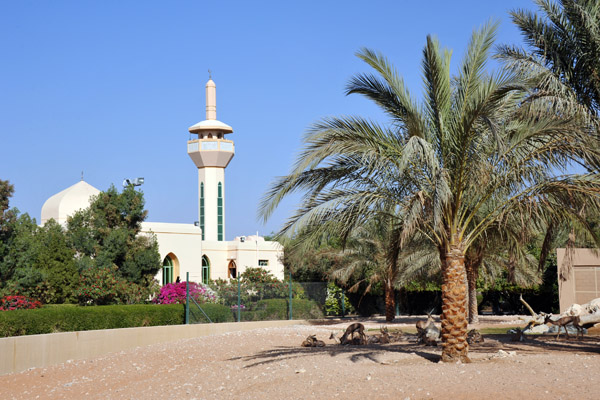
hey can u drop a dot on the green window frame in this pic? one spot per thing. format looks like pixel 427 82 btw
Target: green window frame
pixel 167 271
pixel 202 208
pixel 220 212
pixel 205 270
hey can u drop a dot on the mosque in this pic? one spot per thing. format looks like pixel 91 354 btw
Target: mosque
pixel 198 249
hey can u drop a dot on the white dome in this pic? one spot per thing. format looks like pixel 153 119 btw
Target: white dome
pixel 66 203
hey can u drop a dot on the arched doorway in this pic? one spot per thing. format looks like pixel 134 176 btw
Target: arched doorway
pixel 205 269
pixel 170 269
pixel 232 270
pixel 167 271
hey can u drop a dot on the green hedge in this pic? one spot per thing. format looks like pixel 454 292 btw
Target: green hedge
pixel 278 309
pixel 216 312
pixel 73 318
pixel 69 318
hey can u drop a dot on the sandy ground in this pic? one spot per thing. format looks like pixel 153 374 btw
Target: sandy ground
pixel 270 364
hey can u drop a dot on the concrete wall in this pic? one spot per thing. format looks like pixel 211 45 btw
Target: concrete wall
pixel 20 353
pixel 571 288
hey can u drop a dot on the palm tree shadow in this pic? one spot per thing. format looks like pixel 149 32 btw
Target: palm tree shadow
pixel 537 344
pixel 354 354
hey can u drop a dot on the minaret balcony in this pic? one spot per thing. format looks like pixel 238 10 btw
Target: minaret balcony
pixel 211 152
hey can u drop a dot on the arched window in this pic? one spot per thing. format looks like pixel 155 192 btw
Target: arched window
pixel 202 208
pixel 167 271
pixel 205 270
pixel 220 212
pixel 232 270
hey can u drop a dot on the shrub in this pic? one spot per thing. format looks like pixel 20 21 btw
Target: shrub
pixel 175 293
pixel 10 303
pixel 103 286
pixel 68 318
pixel 216 312
pixel 333 302
pixel 41 291
pixel 278 309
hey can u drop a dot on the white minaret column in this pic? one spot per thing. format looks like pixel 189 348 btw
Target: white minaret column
pixel 211 153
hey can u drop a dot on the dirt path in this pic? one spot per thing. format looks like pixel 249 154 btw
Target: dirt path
pixel 270 364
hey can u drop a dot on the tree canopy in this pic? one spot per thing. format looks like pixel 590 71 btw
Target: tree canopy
pixel 478 149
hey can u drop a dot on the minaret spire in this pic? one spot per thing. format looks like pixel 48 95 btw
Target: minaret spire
pixel 211 100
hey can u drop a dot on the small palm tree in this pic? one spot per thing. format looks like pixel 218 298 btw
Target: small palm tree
pixel 475 143
pixel 374 254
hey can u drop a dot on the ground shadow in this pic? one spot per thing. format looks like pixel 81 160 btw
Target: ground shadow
pixel 354 353
pixel 492 344
pixel 537 344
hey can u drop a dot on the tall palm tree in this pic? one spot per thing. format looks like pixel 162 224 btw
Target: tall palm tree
pixel 472 144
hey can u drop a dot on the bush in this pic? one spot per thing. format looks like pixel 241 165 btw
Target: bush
pixel 278 309
pixel 333 302
pixel 75 318
pixel 216 312
pixel 103 286
pixel 10 303
pixel 175 293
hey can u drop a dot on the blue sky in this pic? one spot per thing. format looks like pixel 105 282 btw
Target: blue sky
pixel 110 88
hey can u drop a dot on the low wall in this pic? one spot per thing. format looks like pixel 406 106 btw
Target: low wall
pixel 20 353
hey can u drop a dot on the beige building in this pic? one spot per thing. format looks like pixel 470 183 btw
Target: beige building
pixel 578 276
pixel 200 250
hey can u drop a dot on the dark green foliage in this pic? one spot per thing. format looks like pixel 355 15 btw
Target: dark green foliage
pixel 107 234
pixel 216 312
pixel 67 318
pixel 278 309
pixel 38 262
pixel 18 245
pixel 56 261
pixel 103 286
pixel 6 192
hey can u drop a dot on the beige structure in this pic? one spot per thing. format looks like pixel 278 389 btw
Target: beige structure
pixel 19 353
pixel 578 276
pixel 200 250
pixel 67 202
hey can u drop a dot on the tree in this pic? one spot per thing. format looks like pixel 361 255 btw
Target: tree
pixel 55 259
pixel 7 218
pixel 108 233
pixel 563 38
pixel 477 142
pixel 373 254
pixel 16 264
pixel 6 192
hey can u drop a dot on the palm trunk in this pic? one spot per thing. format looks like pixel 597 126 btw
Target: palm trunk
pixel 472 264
pixel 390 303
pixel 454 301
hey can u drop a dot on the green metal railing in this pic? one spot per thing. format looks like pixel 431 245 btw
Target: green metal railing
pixel 189 299
pixel 251 301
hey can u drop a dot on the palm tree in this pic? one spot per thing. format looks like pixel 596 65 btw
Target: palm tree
pixel 374 254
pixel 473 144
pixel 564 39
pixel 564 49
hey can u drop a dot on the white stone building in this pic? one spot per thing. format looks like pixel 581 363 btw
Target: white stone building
pixel 199 250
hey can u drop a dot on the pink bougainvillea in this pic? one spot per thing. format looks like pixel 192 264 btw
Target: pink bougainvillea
pixel 18 303
pixel 172 293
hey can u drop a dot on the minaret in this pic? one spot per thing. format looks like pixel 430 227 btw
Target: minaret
pixel 211 153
